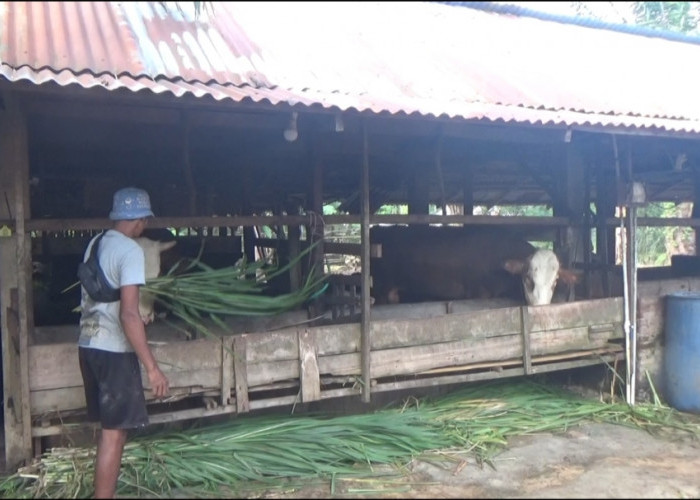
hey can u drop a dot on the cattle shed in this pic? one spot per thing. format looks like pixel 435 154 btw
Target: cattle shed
pixel 245 121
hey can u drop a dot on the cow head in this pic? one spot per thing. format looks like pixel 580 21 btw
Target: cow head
pixel 151 251
pixel 540 273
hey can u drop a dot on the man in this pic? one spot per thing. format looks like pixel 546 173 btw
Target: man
pixel 113 340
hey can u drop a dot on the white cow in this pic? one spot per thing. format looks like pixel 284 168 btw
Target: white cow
pixel 540 273
pixel 151 251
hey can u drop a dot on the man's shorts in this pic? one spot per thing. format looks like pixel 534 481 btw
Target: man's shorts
pixel 113 388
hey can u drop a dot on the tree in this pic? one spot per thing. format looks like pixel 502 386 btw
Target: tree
pixel 680 17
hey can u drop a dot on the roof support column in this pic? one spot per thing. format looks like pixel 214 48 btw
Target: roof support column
pixel 572 204
pixel 365 326
pixel 16 319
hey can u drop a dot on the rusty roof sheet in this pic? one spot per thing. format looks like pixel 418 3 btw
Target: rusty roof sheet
pixel 417 58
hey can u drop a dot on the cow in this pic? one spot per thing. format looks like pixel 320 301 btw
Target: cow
pixel 151 251
pixel 451 263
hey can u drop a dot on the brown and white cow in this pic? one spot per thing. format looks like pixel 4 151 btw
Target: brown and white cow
pixel 451 263
pixel 151 251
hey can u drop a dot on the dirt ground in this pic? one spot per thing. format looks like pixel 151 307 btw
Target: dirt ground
pixel 589 461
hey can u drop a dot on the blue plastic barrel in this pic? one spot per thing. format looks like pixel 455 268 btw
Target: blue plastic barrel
pixel 682 351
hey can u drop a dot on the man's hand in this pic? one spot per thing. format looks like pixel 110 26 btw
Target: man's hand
pixel 159 383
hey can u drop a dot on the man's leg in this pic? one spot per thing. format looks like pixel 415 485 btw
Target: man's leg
pixel 108 462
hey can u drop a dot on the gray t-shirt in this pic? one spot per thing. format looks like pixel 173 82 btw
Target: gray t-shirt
pixel 122 262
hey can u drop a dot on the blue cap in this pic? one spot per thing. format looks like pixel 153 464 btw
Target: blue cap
pixel 130 203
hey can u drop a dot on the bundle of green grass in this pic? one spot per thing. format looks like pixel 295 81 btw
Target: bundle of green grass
pixel 200 295
pixel 251 453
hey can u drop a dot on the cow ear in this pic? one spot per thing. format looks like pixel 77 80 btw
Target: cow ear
pixel 568 276
pixel 514 266
pixel 166 245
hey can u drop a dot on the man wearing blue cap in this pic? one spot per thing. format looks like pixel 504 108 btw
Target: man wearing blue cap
pixel 113 339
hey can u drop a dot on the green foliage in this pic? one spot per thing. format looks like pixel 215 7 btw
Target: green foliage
pixel 515 210
pixel 680 17
pixel 670 16
pixel 393 210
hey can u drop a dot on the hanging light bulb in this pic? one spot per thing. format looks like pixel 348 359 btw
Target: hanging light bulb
pixel 291 133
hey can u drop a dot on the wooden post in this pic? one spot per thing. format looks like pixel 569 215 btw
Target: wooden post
pixel 632 280
pixel 240 372
pixel 16 319
pixel 316 229
pixel 248 231
pixel 365 259
pixel 526 326
pixel 227 367
pixel 294 248
pixel 438 168
pixel 572 205
pixel 309 376
pixel 418 191
pixel 468 190
pixel 606 197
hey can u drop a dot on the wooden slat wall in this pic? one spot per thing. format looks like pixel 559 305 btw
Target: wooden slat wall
pixel 313 354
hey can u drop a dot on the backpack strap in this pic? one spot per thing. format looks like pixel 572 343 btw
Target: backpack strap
pixel 95 245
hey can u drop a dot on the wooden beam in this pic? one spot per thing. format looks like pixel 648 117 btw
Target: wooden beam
pixel 261 220
pixel 526 326
pixel 240 370
pixel 227 370
pixel 16 314
pixel 365 329
pixel 309 377
pixel 468 189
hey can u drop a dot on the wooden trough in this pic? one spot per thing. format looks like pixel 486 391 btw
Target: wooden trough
pixel 248 371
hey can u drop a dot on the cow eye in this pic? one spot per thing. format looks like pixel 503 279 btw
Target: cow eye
pixel 527 280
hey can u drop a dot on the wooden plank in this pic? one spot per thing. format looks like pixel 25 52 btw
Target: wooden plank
pixel 45 373
pixel 232 221
pixel 410 360
pixel 227 375
pixel 661 288
pixel 345 392
pixel 527 360
pixel 387 363
pixel 60 399
pixel 195 377
pixel 489 375
pixel 199 358
pixel 338 339
pixel 477 324
pixel 573 314
pixel 264 373
pixel 240 345
pixel 308 366
pixel 515 221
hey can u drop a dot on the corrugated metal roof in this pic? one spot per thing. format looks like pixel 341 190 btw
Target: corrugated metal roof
pixel 411 57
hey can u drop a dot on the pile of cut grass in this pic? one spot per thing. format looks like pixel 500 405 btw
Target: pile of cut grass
pixel 267 452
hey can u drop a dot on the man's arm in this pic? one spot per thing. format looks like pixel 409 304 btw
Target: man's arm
pixel 136 334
